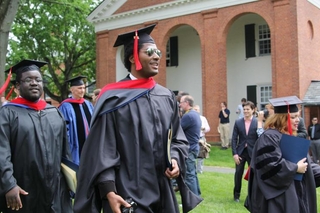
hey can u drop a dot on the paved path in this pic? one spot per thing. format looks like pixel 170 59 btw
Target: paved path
pixel 218 169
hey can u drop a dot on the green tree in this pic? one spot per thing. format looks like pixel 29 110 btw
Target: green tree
pixel 55 31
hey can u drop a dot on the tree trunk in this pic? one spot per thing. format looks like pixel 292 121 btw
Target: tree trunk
pixel 8 11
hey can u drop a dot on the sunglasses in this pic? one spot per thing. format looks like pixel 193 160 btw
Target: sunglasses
pixel 150 51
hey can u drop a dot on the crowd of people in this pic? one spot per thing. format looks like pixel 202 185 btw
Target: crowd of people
pixel 137 140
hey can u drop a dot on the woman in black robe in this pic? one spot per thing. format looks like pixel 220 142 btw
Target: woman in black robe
pixel 272 185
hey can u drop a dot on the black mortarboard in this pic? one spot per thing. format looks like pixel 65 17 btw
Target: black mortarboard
pixel 23 65
pixel 135 38
pixel 76 81
pixel 128 38
pixel 283 104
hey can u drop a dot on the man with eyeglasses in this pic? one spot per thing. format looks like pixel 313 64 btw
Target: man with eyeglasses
pixel 33 140
pixel 136 144
pixel 314 136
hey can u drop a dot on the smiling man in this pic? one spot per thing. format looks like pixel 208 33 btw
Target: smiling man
pixel 127 153
pixel 77 112
pixel 244 137
pixel 33 140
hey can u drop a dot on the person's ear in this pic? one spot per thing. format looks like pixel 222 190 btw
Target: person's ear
pixel 131 59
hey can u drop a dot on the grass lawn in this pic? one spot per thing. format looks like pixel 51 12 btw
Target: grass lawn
pixel 217 188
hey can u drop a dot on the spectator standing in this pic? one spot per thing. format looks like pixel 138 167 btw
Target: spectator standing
pixel 224 125
pixel 126 151
pixel 314 136
pixel 95 95
pixel 33 140
pixel 239 110
pixel 191 125
pixel 203 152
pixel 77 112
pixel 244 137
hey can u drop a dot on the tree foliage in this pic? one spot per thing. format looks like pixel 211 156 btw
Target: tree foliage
pixel 55 31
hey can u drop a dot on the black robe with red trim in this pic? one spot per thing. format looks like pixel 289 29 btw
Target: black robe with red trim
pixel 126 147
pixel 33 140
pixel 272 188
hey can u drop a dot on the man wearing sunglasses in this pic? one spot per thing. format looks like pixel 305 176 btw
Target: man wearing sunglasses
pixel 136 144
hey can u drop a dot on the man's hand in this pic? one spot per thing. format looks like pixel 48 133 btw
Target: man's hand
pixel 237 159
pixel 13 198
pixel 116 201
pixel 175 170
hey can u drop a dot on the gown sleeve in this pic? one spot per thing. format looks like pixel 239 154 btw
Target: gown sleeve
pixel 274 173
pixel 6 168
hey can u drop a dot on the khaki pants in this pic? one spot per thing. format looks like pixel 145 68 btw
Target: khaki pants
pixel 224 134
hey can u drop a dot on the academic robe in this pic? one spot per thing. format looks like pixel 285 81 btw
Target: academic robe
pixel 78 118
pixel 32 143
pixel 272 188
pixel 125 150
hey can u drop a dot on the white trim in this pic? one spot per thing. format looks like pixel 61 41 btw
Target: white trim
pixel 106 8
pixel 315 3
pixel 103 19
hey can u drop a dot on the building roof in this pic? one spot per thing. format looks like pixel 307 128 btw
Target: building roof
pixel 312 96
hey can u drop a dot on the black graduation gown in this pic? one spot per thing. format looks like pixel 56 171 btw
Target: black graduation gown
pixel 127 145
pixel 272 188
pixel 32 144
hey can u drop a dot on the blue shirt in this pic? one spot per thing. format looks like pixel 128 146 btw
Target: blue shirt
pixel 191 125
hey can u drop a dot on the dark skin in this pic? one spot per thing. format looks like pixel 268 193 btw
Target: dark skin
pixel 31 91
pixel 150 65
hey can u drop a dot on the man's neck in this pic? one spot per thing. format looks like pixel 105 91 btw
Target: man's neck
pixel 248 117
pixel 77 98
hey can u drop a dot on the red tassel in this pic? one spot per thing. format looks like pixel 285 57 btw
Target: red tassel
pixel 6 83
pixel 289 121
pixel 136 53
pixel 9 94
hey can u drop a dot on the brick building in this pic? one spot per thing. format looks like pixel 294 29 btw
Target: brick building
pixel 220 50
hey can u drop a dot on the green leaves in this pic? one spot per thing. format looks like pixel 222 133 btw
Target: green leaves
pixel 55 31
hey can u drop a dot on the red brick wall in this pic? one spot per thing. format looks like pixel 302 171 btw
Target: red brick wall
pixel 293 65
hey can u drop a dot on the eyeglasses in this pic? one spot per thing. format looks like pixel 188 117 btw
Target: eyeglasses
pixel 29 80
pixel 151 51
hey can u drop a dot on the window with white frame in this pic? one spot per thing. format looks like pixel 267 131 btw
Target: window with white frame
pixel 264 40
pixel 265 95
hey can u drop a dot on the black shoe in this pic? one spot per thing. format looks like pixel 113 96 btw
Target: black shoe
pixel 237 200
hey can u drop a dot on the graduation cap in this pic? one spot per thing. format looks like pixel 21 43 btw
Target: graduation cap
pixel 135 38
pixel 24 65
pixel 285 104
pixel 76 81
